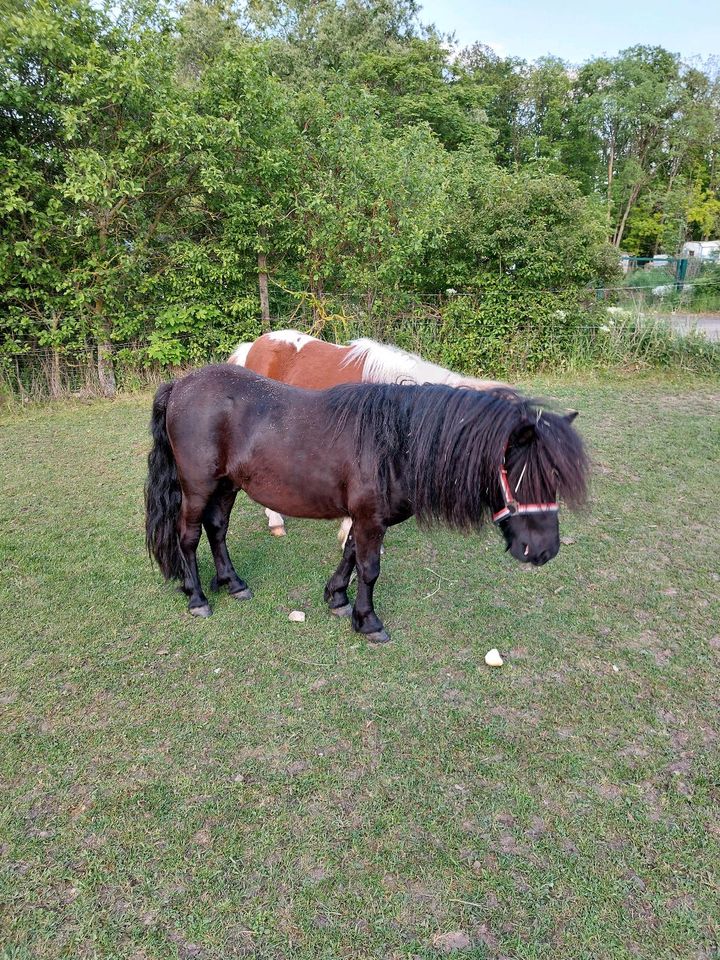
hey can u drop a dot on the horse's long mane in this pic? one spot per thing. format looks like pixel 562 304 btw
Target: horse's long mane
pixel 452 443
pixel 385 363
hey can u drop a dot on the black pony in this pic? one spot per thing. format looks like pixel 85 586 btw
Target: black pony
pixel 378 453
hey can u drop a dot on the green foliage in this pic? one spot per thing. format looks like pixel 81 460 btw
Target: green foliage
pixel 368 206
pixel 631 339
pixel 196 334
pixel 534 227
pixel 159 165
pixel 508 336
pixel 638 120
pixel 414 83
pixel 703 211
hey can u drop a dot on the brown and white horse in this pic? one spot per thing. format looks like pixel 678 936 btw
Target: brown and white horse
pixel 304 361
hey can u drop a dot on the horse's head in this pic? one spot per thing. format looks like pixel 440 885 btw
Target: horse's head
pixel 544 460
pixel 532 539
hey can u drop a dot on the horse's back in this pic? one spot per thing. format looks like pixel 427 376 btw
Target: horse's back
pixel 210 392
pixel 276 442
pixel 269 357
pixel 299 360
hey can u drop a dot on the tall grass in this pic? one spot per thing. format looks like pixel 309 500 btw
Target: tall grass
pixel 628 339
pixel 465 336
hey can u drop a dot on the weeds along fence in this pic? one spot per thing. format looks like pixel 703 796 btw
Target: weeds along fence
pixel 493 335
pixel 670 283
pixel 53 372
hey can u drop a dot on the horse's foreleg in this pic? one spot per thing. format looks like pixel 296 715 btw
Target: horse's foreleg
pixel 276 523
pixel 215 520
pixel 368 541
pixel 336 588
pixel 344 531
pixel 190 529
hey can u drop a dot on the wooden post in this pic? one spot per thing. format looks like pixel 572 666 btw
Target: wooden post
pixel 264 293
pixel 105 364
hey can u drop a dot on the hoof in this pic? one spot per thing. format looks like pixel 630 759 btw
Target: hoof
pixel 344 611
pixel 380 636
pixel 203 611
pixel 278 531
pixel 245 594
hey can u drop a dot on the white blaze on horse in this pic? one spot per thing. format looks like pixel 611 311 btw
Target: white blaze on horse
pixel 304 361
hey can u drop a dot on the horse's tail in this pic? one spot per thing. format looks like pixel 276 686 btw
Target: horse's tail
pixel 163 496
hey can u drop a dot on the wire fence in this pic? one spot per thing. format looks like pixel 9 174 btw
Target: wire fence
pixel 348 312
pixel 413 320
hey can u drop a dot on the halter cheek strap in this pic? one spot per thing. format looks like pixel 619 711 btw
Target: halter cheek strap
pixel 512 506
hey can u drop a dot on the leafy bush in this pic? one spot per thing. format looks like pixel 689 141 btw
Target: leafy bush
pixel 199 333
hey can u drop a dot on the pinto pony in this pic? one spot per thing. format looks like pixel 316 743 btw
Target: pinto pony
pixel 377 453
pixel 303 361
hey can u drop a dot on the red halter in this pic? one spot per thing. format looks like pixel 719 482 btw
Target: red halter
pixel 512 507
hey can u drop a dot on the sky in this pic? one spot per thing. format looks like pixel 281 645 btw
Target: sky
pixel 579 30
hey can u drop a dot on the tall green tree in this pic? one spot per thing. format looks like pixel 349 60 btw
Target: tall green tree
pixel 531 228
pixel 414 83
pixel 119 163
pixel 368 206
pixel 628 110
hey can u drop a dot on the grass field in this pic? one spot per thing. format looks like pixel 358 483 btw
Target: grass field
pixel 250 787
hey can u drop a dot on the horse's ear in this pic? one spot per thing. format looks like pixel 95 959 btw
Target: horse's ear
pixel 523 436
pixel 571 416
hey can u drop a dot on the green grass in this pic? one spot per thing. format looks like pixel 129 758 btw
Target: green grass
pixel 249 787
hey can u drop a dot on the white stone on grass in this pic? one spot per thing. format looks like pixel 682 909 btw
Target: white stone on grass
pixel 493 658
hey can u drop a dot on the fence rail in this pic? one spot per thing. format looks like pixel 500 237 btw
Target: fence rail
pixel 421 323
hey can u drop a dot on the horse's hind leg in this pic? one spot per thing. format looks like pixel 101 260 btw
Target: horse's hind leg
pixel 216 518
pixel 368 541
pixel 276 523
pixel 344 532
pixel 336 588
pixel 190 529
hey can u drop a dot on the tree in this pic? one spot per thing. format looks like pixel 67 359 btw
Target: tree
pixel 500 84
pixel 629 115
pixel 317 43
pixel 205 30
pixel 368 205
pixel 248 157
pixel 119 165
pixel 413 83
pixel 531 227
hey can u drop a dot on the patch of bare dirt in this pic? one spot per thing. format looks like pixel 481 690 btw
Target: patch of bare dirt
pixel 430 899
pixel 649 643
pixel 608 791
pixel 454 698
pixel 450 942
pixel 652 798
pixel 634 751
pixel 185 949
pixel 484 935
pixel 515 717
pixel 538 828
pixel 203 837
pixel 507 844
pixel 297 767
pixel 240 943
pixel 642 912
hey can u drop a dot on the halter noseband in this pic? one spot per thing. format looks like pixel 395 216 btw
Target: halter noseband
pixel 512 506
